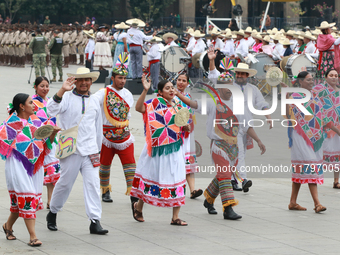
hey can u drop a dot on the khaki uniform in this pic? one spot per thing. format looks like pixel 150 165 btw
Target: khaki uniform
pixel 2 54
pixel 4 43
pixel 80 46
pixel 10 42
pixel 66 47
pixel 72 41
pixel 28 40
pixel 15 46
pixel 21 44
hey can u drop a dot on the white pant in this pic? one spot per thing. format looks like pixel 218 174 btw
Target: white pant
pixel 70 167
pixel 242 148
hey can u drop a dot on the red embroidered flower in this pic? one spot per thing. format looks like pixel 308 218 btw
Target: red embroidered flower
pixel 165 193
pixel 34 203
pixel 192 159
pixel 21 202
pixel 13 198
pixel 29 199
pixel 135 183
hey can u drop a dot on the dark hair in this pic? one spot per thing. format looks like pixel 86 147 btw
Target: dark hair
pixel 161 85
pixel 18 99
pixel 38 31
pixel 325 31
pixel 329 70
pixel 39 79
pixel 186 76
pixel 301 76
pixel 233 26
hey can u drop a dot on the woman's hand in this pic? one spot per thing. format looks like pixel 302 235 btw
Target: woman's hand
pixel 262 147
pixel 146 83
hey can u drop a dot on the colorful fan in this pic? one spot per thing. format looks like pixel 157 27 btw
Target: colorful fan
pixel 227 64
pixel 123 60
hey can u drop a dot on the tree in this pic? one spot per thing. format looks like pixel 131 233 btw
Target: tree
pixel 149 9
pixel 13 6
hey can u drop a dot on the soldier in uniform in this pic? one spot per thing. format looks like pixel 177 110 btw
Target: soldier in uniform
pixel 73 47
pixel 5 46
pixel 47 34
pixel 21 46
pixel 15 46
pixel 66 47
pixel 39 56
pixel 2 54
pixel 80 45
pixel 10 44
pixel 55 48
pixel 29 51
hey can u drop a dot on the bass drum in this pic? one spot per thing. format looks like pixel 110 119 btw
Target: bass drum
pixel 296 62
pixel 145 61
pixel 172 63
pixel 263 65
pixel 204 61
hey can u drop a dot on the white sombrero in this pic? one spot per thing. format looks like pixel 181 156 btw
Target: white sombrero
pixel 325 25
pixel 285 42
pixel 214 31
pixel 89 33
pixel 122 25
pixel 189 31
pixel 309 36
pixel 290 32
pixel 266 39
pixel 240 32
pixel 135 23
pixel 197 33
pixel 248 30
pixel 83 72
pixel 274 76
pixel 228 34
pixel 154 39
pixel 277 37
pixel 242 67
pixel 172 35
pixel 257 36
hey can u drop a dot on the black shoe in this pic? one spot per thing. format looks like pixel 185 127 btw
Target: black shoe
pixel 210 207
pixel 229 214
pixel 133 199
pixel 51 219
pixel 96 228
pixel 246 184
pixel 235 186
pixel 106 197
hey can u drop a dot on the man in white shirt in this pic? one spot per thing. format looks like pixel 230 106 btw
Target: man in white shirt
pixel 89 49
pixel 191 40
pixel 198 47
pixel 228 48
pixel 215 41
pixel 292 40
pixel 242 47
pixel 249 38
pixel 308 39
pixel 135 39
pixel 278 49
pixel 115 103
pixel 76 107
pixel 170 39
pixel 154 57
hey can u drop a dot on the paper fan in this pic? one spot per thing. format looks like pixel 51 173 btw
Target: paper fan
pixel 226 64
pixel 182 117
pixel 198 149
pixel 43 132
pixel 274 76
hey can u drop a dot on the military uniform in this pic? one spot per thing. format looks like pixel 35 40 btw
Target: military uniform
pixel 39 55
pixel 11 52
pixel 55 48
pixel 5 47
pixel 66 48
pixel 29 51
pixel 48 35
pixel 80 45
pixel 2 54
pixel 21 48
pixel 73 47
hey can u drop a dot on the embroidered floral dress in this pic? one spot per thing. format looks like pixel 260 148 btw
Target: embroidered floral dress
pixel 51 163
pixel 306 140
pixel 24 164
pixel 189 141
pixel 331 105
pixel 160 175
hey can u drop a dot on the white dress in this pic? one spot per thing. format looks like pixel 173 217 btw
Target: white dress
pixel 102 51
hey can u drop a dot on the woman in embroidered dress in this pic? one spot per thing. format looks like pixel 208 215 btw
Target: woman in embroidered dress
pixel 189 139
pixel 51 163
pixel 328 49
pixel 102 51
pixel 24 179
pixel 160 175
pixel 329 94
pixel 305 141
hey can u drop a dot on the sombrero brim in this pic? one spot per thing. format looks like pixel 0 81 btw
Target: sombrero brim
pixel 251 72
pixel 93 75
pixel 167 35
pixel 197 35
pixel 90 35
pixel 329 26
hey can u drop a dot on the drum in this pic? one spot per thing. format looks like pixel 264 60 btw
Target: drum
pixel 296 62
pixel 204 61
pixel 171 58
pixel 263 65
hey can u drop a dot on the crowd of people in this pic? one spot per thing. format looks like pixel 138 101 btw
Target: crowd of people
pixel 96 126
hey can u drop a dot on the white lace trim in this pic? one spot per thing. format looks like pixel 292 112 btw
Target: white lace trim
pixel 119 146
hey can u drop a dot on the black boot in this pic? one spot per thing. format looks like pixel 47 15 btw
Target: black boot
pixel 106 197
pixel 96 228
pixel 246 184
pixel 235 186
pixel 229 214
pixel 51 219
pixel 133 199
pixel 210 207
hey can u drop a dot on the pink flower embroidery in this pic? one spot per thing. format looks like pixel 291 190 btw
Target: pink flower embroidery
pixel 141 185
pixel 34 203
pixel 180 191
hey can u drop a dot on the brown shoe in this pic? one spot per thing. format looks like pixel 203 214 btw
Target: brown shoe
pixel 319 208
pixel 296 207
pixel 336 185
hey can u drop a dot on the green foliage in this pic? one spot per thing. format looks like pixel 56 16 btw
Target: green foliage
pixel 148 9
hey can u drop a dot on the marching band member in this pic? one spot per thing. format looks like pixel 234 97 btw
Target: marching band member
pixel 199 47
pixel 248 32
pixel 290 36
pixel 170 39
pixel 308 39
pixel 266 48
pixel 301 45
pixel 191 40
pixel 154 57
pixel 242 45
pixel 278 48
pixel 228 48
pixel 215 41
pixel 286 45
pixel 258 42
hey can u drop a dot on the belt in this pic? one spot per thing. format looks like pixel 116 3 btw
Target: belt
pixel 135 45
pixel 153 61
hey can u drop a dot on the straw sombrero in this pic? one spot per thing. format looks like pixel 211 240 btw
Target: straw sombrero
pixel 171 35
pixel 266 39
pixel 214 31
pixel 309 36
pixel 276 37
pixel 325 25
pixel 290 32
pixel 189 30
pixel 83 72
pixel 122 25
pixel 89 33
pixel 242 67
pixel 257 36
pixel 285 42
pixel 135 23
pixel 248 30
pixel 154 39
pixel 197 33
pixel 274 76
pixel 240 32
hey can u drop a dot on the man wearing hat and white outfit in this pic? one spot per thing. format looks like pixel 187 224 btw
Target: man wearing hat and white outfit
pixel 154 57
pixel 191 39
pixel 241 82
pixel 170 38
pixel 76 107
pixel 198 47
pixel 278 49
pixel 242 47
pixel 89 49
pixel 215 41
pixel 293 41
pixel 249 38
pixel 308 39
pixel 135 39
pixel 228 48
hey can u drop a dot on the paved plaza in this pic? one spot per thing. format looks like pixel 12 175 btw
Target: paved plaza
pixel 267 226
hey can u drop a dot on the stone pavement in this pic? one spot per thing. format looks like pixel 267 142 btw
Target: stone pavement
pixel 267 226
